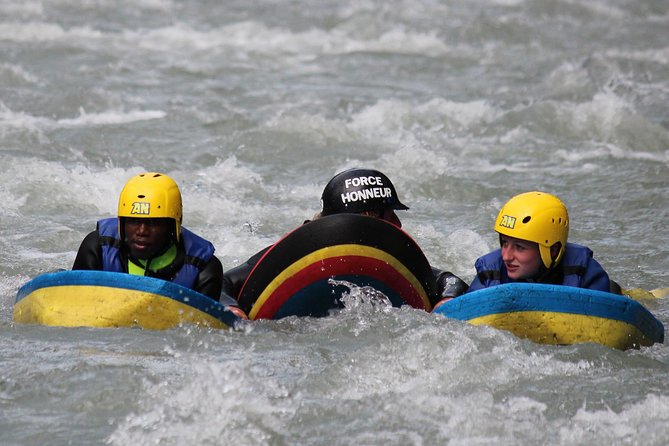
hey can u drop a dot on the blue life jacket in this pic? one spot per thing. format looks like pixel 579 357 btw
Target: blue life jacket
pixel 198 252
pixel 579 269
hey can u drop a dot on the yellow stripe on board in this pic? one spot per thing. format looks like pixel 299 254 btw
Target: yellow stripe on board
pixel 97 306
pixel 565 328
pixel 338 251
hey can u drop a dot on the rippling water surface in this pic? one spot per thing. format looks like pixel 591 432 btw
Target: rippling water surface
pixel 252 107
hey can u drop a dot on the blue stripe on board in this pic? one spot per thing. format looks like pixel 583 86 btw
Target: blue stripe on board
pixel 131 282
pixel 519 297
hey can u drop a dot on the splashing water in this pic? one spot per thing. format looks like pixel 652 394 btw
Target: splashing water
pixel 361 295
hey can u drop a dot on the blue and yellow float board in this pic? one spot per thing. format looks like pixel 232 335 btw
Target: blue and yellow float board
pixel 555 314
pixel 106 299
pixel 293 277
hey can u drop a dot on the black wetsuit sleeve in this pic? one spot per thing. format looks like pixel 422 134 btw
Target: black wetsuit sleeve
pixel 89 256
pixel 210 279
pixel 234 279
pixel 448 285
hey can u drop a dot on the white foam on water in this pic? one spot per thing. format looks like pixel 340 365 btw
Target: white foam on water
pixel 213 401
pixel 418 173
pixel 609 118
pixel 23 32
pixel 601 9
pixel 36 8
pixel 608 150
pixel 20 120
pixel 39 187
pixel 388 119
pixel 507 2
pixel 372 11
pixel 401 41
pixel 655 55
pixel 16 74
pixel 9 285
pixel 463 247
pixel 49 207
pixel 156 5
pixel 24 9
pixel 251 37
pixel 109 118
pixel 645 418
pixel 601 116
pixel 317 128
pixel 417 136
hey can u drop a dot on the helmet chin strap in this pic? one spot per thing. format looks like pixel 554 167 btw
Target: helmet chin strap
pixel 543 271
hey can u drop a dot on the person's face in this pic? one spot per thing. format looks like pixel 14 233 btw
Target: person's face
pixel 146 237
pixel 521 258
pixel 388 215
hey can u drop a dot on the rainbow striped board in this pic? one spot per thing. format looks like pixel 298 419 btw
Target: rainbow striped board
pixel 106 299
pixel 296 276
pixel 561 315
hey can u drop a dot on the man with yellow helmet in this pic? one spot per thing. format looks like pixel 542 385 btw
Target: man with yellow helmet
pixel 147 239
pixel 533 229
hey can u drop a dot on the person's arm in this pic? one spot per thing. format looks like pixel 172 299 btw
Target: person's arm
pixel 234 279
pixel 448 284
pixel 210 279
pixel 89 256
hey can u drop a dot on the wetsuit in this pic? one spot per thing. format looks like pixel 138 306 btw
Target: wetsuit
pixel 577 268
pixel 194 265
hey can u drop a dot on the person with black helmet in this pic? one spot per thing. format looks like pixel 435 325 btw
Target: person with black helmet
pixel 358 191
pixel 147 239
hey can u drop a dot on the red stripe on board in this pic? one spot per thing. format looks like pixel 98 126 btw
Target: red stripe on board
pixel 340 265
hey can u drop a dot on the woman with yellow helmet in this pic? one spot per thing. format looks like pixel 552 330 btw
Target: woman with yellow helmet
pixel 147 239
pixel 533 229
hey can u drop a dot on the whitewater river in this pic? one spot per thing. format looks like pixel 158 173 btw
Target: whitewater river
pixel 251 106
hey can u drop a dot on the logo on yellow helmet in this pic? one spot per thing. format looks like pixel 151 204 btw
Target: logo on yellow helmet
pixel 140 208
pixel 508 221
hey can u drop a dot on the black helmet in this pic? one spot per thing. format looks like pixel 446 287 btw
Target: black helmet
pixel 358 190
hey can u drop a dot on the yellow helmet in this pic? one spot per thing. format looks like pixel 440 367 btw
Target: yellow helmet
pixel 151 195
pixel 536 217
